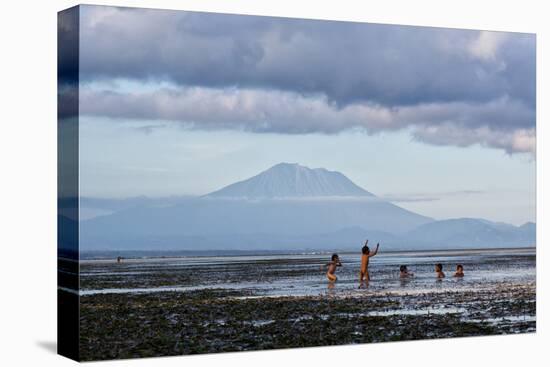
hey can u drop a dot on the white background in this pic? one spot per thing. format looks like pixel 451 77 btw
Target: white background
pixel 28 182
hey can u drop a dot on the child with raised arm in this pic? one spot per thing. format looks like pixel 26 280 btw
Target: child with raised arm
pixel 334 262
pixel 366 255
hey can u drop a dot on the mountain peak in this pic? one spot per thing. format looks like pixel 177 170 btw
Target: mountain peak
pixel 293 166
pixel 292 180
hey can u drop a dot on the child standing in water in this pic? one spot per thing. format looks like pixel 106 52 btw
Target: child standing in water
pixel 334 262
pixel 366 255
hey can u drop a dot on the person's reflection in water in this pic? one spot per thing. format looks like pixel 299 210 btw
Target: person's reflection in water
pixel 331 289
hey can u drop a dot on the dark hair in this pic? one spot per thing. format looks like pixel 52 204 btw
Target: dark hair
pixel 334 257
pixel 403 268
pixel 459 266
pixel 439 266
pixel 365 250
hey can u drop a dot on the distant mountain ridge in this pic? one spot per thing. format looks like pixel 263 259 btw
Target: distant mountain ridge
pixel 473 232
pixel 286 180
pixel 286 207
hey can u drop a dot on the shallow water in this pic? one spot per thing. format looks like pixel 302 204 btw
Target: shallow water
pixel 300 275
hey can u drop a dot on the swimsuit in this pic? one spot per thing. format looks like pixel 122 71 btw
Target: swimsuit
pixel 331 277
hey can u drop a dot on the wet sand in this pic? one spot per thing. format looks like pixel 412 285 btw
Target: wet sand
pixel 243 304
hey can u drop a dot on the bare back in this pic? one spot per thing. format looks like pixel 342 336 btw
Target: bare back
pixel 332 267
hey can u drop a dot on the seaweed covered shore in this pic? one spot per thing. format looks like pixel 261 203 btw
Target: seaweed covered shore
pixel 219 320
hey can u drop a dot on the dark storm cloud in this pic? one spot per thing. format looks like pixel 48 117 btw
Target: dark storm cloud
pixel 68 41
pixel 67 63
pixel 264 74
pixel 348 62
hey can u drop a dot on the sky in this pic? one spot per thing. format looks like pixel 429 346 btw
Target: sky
pixel 439 121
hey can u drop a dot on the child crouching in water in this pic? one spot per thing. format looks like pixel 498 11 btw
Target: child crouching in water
pixel 334 262
pixel 459 271
pixel 404 272
pixel 439 271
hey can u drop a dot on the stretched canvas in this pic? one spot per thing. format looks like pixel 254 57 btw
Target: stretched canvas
pixel 237 183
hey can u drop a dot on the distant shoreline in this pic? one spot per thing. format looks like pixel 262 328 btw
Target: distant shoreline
pixel 174 254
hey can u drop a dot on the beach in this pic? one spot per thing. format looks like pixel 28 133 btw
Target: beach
pixel 206 304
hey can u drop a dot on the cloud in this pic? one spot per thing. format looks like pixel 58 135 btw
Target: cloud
pixel 68 100
pixel 149 129
pixel 346 61
pixel 501 123
pixel 514 141
pixel 487 44
pixel 68 40
pixel 295 76
pixel 406 199
pixel 465 192
pixel 425 197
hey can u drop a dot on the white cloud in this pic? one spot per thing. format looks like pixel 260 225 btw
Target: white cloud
pixel 524 141
pixel 515 141
pixel 486 45
pixel 502 123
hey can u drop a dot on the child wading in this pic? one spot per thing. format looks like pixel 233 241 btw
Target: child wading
pixel 366 255
pixel 459 271
pixel 334 262
pixel 439 271
pixel 404 272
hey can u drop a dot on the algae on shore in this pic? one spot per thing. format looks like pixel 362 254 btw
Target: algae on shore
pixel 209 321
